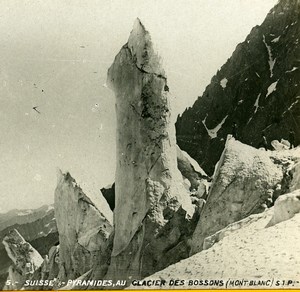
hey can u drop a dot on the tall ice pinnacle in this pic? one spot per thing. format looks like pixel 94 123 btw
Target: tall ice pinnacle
pixel 83 224
pixel 148 183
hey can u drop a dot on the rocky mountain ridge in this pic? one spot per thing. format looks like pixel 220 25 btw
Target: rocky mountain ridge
pixel 258 88
pixel 23 216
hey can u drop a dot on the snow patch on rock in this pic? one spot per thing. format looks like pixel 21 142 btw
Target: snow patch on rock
pixel 275 40
pixel 292 70
pixel 271 60
pixel 213 133
pixel 272 88
pixel 223 82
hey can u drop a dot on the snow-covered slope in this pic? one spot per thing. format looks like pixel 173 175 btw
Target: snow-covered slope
pixel 248 251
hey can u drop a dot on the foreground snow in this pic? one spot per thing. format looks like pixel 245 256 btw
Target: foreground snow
pixel 269 257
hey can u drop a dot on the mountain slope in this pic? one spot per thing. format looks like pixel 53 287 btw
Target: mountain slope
pixel 258 88
pixel 23 216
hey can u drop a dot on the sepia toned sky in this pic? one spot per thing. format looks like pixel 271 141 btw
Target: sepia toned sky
pixel 54 54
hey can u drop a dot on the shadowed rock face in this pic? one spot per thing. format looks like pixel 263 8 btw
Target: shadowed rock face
pixel 258 88
pixel 149 188
pixel 243 184
pixel 109 195
pixel 83 228
pixel 26 260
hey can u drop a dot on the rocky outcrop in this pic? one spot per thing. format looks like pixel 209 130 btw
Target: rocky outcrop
pixel 258 88
pixel 285 207
pixel 149 189
pixel 84 223
pixel 243 184
pixel 26 260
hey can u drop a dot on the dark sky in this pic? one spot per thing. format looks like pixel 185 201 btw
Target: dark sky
pixel 54 54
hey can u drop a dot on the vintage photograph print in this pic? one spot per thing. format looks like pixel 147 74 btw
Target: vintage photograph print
pixel 149 144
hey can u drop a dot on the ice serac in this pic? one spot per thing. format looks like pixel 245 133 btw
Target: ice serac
pixel 198 180
pixel 84 223
pixel 194 178
pixel 25 260
pixel 286 207
pixel 243 184
pixel 37 227
pixel 53 262
pixel 149 187
pixel 295 172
